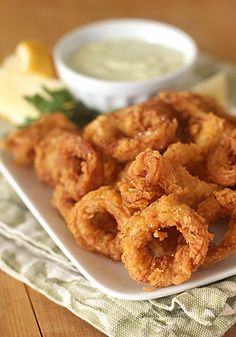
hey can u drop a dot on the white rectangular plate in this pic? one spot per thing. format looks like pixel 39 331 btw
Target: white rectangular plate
pixel 108 276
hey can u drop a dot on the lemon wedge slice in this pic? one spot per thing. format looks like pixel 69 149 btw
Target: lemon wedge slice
pixel 35 58
pixel 25 73
pixel 215 86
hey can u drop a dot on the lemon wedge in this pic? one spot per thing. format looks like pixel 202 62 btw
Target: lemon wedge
pixel 25 73
pixel 215 86
pixel 35 58
pixel 14 86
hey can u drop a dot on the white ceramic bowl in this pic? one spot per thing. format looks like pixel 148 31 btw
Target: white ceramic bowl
pixel 108 95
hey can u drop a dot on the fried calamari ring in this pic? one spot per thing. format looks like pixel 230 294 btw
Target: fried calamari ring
pixel 221 162
pixel 142 227
pixel 211 210
pixel 125 133
pixel 151 175
pixel 189 103
pixel 166 243
pixel 81 167
pixel 22 142
pixel 189 155
pixel 135 192
pixel 227 246
pixel 206 130
pixel 96 222
pixel 173 178
pixel 209 104
pixel 202 127
pixel 62 201
pixel 186 155
pixel 111 169
pixel 47 161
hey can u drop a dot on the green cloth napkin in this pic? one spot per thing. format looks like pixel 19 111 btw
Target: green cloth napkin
pixel 28 254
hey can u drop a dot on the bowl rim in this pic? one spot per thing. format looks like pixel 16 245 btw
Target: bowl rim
pixel 66 39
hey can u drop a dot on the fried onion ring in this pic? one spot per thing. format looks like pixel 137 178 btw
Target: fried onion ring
pixel 96 222
pixel 144 226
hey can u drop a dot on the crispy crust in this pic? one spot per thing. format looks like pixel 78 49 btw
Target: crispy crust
pixel 88 233
pixel 22 142
pixel 217 252
pixel 165 270
pixel 125 133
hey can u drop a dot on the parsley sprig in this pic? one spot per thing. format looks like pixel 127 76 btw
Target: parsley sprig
pixel 60 101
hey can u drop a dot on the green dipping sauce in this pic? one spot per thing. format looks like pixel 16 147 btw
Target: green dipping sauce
pixel 125 60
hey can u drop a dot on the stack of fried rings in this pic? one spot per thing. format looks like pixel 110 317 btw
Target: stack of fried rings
pixel 145 185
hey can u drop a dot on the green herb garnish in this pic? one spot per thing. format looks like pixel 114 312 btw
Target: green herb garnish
pixel 60 101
